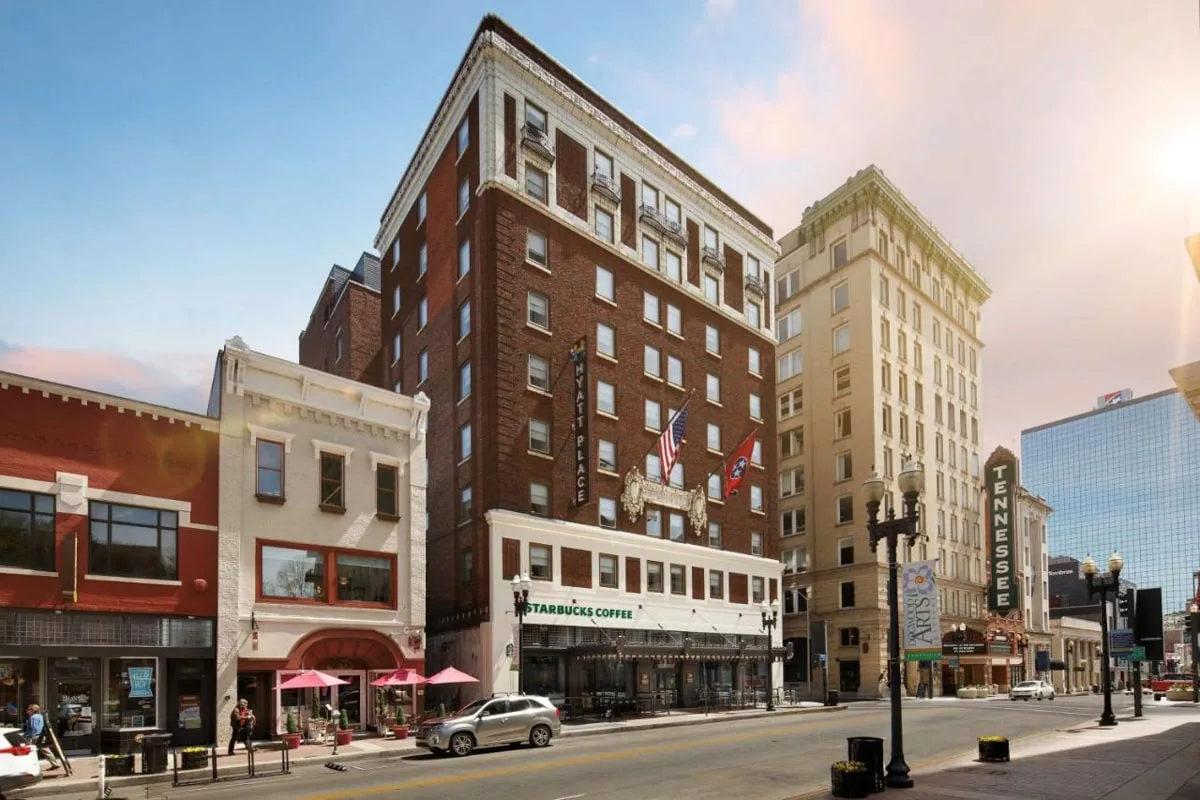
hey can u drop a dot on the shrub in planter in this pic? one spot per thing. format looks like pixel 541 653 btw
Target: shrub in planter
pixel 291 739
pixel 118 764
pixel 849 779
pixel 193 757
pixel 993 748
pixel 400 729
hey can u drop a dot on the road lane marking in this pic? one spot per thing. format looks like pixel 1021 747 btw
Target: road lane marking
pixel 575 761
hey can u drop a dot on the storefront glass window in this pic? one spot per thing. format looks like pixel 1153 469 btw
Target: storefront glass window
pixel 364 580
pixel 20 685
pixel 293 574
pixel 132 699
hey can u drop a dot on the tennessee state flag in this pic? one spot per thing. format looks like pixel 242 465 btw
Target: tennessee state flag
pixel 738 463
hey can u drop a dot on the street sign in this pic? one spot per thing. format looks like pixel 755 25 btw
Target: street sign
pixel 1120 641
pixel 953 662
pixel 1138 654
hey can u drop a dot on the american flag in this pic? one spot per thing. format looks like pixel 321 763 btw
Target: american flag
pixel 668 443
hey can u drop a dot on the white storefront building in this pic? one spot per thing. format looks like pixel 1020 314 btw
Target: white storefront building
pixel 322 536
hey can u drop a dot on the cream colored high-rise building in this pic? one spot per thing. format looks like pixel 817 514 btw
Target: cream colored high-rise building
pixel 879 360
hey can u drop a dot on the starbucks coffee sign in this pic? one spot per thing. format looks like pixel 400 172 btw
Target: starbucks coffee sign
pixel 573 610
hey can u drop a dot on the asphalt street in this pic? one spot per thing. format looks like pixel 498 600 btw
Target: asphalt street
pixel 763 758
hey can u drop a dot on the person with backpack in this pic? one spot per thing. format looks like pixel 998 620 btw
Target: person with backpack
pixel 37 735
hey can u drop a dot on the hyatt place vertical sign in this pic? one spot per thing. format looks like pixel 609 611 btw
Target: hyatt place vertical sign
pixel 579 393
pixel 1001 472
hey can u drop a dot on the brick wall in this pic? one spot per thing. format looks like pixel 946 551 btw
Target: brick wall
pixel 357 316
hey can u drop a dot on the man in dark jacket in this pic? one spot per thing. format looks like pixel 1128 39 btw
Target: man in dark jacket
pixel 241 719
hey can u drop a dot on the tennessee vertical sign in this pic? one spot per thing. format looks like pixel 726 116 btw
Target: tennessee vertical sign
pixel 1001 472
pixel 579 388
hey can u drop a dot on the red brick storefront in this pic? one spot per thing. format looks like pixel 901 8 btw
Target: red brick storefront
pixel 108 564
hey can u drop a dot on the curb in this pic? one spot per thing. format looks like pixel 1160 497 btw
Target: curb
pixel 57 788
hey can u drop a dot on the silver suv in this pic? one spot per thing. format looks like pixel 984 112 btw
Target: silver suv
pixel 507 719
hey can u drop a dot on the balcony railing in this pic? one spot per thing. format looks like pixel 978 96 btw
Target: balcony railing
pixel 670 228
pixel 713 257
pixel 755 285
pixel 606 186
pixel 536 140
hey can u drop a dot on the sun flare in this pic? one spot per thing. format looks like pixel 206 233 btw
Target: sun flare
pixel 1179 161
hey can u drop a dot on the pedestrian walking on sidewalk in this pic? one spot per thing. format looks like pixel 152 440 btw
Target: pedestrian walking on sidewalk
pixel 36 735
pixel 241 719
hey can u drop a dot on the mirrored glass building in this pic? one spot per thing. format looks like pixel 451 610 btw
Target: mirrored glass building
pixel 1124 477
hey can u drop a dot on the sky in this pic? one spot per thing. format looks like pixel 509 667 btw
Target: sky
pixel 173 174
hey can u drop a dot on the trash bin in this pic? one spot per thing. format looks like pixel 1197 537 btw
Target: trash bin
pixel 154 752
pixel 831 697
pixel 868 750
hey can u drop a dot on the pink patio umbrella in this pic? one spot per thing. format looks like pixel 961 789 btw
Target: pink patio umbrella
pixel 450 675
pixel 310 679
pixel 400 677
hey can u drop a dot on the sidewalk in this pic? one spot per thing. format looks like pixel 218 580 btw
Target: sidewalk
pixel 1154 758
pixel 86 769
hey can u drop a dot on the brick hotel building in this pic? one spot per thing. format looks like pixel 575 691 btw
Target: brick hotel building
pixel 535 216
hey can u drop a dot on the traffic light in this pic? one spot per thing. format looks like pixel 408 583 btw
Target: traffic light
pixel 1189 624
pixel 1125 604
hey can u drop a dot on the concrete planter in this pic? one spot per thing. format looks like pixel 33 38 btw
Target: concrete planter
pixel 1180 694
pixel 967 694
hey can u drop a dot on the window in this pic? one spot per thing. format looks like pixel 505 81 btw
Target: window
pixel 757 594
pixel 540 564
pixel 712 289
pixel 755 406
pixel 654 577
pixel 712 389
pixel 650 308
pixel 422 366
pixel 653 468
pixel 791 443
pixel 885 295
pixel 756 499
pixel 753 314
pixel 604 164
pixel 608 571
pixel 839 254
pixel 789 365
pixel 654 522
pixel 464 442
pixel 654 415
pixel 674 320
pixel 269 480
pixel 422 207
pixel 792 522
pixel 423 259
pixel 539 310
pixel 714 487
pixel 333 481
pixel 652 358
pixel 650 252
pixel 338 344
pixel 605 286
pixel 604 226
pixel 464 136
pixel 672 211
pixel 464 196
pixel 678 579
pixel 787 285
pixel 845 551
pixel 754 361
pixel 395 300
pixel 846 594
pixel 788 326
pixel 464 380
pixel 539 500
pixel 537 183
pixel 395 252
pixel 716 584
pixel 395 348
pixel 466 508
pixel 714 534
pixel 649 196
pixel 841 381
pixel 674 371
pixel 674 268
pixel 536 248
pixel 844 466
pixel 466 567
pixel 848 637
pixel 539 373
pixel 126 541
pixel 842 426
pixel 124 674
pixel 711 239
pixel 756 453
pixel 841 297
pixel 714 437
pixel 539 436
pixel 607 455
pixel 606 340
pixel 464 319
pixel 27 525
pixel 794 560
pixel 712 340
pixel 791 403
pixel 606 398
pixel 841 339
pixel 845 509
pixel 675 527
pixel 756 544
pixel 608 512
pixel 423 313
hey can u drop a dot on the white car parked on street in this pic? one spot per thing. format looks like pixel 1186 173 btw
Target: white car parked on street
pixel 19 766
pixel 1029 690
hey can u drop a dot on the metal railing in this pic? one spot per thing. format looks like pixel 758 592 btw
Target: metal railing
pixel 251 771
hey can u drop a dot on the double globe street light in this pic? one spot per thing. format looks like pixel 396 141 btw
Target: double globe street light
pixel 520 587
pixel 1105 586
pixel 770 618
pixel 912 483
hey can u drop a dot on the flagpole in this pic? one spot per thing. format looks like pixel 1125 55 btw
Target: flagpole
pixel 725 458
pixel 670 422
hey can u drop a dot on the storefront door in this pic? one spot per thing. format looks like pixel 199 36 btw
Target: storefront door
pixel 349 697
pixel 256 689
pixel 73 703
pixel 190 702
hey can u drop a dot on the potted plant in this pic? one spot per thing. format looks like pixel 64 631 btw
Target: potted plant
pixel 344 734
pixel 850 779
pixel 291 739
pixel 400 729
pixel 993 748
pixel 116 764
pixel 441 710
pixel 193 757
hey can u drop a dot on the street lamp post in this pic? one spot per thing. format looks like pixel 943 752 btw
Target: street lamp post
pixel 520 588
pixel 960 636
pixel 770 618
pixel 912 483
pixel 1104 586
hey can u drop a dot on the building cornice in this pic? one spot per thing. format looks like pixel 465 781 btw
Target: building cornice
pixel 86 397
pixel 869 189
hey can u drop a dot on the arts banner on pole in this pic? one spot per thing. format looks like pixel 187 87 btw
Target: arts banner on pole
pixel 922 618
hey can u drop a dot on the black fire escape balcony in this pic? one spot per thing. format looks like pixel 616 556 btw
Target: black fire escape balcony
pixel 670 228
pixel 713 257
pixel 606 186
pixel 538 142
